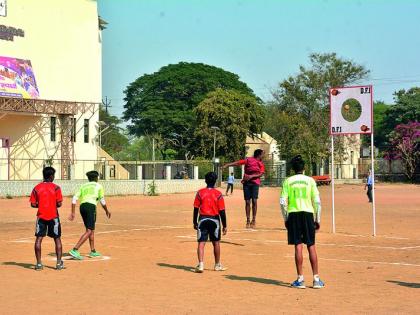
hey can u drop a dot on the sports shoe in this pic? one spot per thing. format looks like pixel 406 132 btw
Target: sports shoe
pixel 199 268
pixel 59 266
pixel 75 254
pixel 39 267
pixel 248 225
pixel 219 267
pixel 94 254
pixel 253 224
pixel 318 284
pixel 298 284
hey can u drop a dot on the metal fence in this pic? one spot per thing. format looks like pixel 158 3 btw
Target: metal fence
pixel 31 169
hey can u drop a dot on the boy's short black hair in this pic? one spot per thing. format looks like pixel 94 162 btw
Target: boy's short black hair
pixel 47 172
pixel 298 164
pixel 258 152
pixel 231 173
pixel 211 178
pixel 92 175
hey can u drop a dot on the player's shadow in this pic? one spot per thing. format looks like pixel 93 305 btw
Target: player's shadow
pixel 406 284
pixel 258 280
pixel 23 265
pixel 223 242
pixel 179 267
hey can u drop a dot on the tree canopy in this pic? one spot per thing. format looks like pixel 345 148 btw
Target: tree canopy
pixel 163 102
pixel 113 140
pixel 303 100
pixel 235 114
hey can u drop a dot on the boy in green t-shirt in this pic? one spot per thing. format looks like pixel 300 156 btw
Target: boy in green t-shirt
pixel 298 198
pixel 89 194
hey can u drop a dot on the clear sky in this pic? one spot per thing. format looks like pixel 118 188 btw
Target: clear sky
pixel 263 41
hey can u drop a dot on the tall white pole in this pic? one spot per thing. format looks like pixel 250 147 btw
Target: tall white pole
pixel 332 184
pixel 153 158
pixel 372 174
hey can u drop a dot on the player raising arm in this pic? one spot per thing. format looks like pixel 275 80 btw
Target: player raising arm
pixel 254 169
pixel 298 198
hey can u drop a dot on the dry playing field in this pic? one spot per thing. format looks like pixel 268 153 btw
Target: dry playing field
pixel 149 247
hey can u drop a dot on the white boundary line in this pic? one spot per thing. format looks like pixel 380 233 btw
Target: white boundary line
pixel 69 258
pixel 367 262
pixel 318 243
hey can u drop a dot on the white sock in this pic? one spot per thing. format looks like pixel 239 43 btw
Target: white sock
pixel 316 277
pixel 300 278
pixel 201 264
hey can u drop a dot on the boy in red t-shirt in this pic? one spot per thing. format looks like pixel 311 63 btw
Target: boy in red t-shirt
pixel 254 169
pixel 210 205
pixel 47 197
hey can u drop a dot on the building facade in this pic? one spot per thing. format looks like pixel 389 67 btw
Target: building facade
pixel 50 87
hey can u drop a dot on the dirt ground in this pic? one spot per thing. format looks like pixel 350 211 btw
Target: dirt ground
pixel 149 247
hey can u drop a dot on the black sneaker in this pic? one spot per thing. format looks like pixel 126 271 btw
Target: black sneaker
pixel 39 267
pixel 60 266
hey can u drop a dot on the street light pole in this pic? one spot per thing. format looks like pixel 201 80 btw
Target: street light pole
pixel 214 146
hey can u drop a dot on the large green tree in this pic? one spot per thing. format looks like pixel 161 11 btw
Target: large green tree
pixel 162 103
pixel 113 139
pixel 405 109
pixel 305 97
pixel 235 114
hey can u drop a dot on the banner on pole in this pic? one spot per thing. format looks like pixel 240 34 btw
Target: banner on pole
pixel 351 110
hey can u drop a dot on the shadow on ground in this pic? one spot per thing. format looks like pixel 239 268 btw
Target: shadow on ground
pixel 222 242
pixel 258 280
pixel 179 267
pixel 63 255
pixel 23 265
pixel 406 284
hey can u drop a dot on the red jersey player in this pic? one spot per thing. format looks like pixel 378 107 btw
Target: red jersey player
pixel 47 197
pixel 209 210
pixel 254 169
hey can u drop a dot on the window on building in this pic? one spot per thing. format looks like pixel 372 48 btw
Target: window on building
pixel 53 122
pixel 73 129
pixel 86 130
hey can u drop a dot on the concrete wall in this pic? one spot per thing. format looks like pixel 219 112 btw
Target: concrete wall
pixel 119 187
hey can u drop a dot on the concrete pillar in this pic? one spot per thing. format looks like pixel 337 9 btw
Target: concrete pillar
pixel 168 172
pixel 321 171
pixel 72 172
pixel 139 172
pixel 106 175
pixel 196 172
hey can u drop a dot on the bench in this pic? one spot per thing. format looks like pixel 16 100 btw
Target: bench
pixel 322 180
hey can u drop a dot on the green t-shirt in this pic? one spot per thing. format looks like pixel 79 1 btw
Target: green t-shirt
pixel 90 192
pixel 299 191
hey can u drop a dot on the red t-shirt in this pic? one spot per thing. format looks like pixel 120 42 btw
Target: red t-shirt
pixel 210 201
pixel 46 195
pixel 253 166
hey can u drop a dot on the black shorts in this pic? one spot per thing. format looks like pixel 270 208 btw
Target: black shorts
pixel 301 228
pixel 208 227
pixel 52 228
pixel 251 191
pixel 88 213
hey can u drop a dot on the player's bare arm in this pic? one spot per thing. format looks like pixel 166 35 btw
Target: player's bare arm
pixel 222 215
pixel 73 212
pixel 236 163
pixel 195 218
